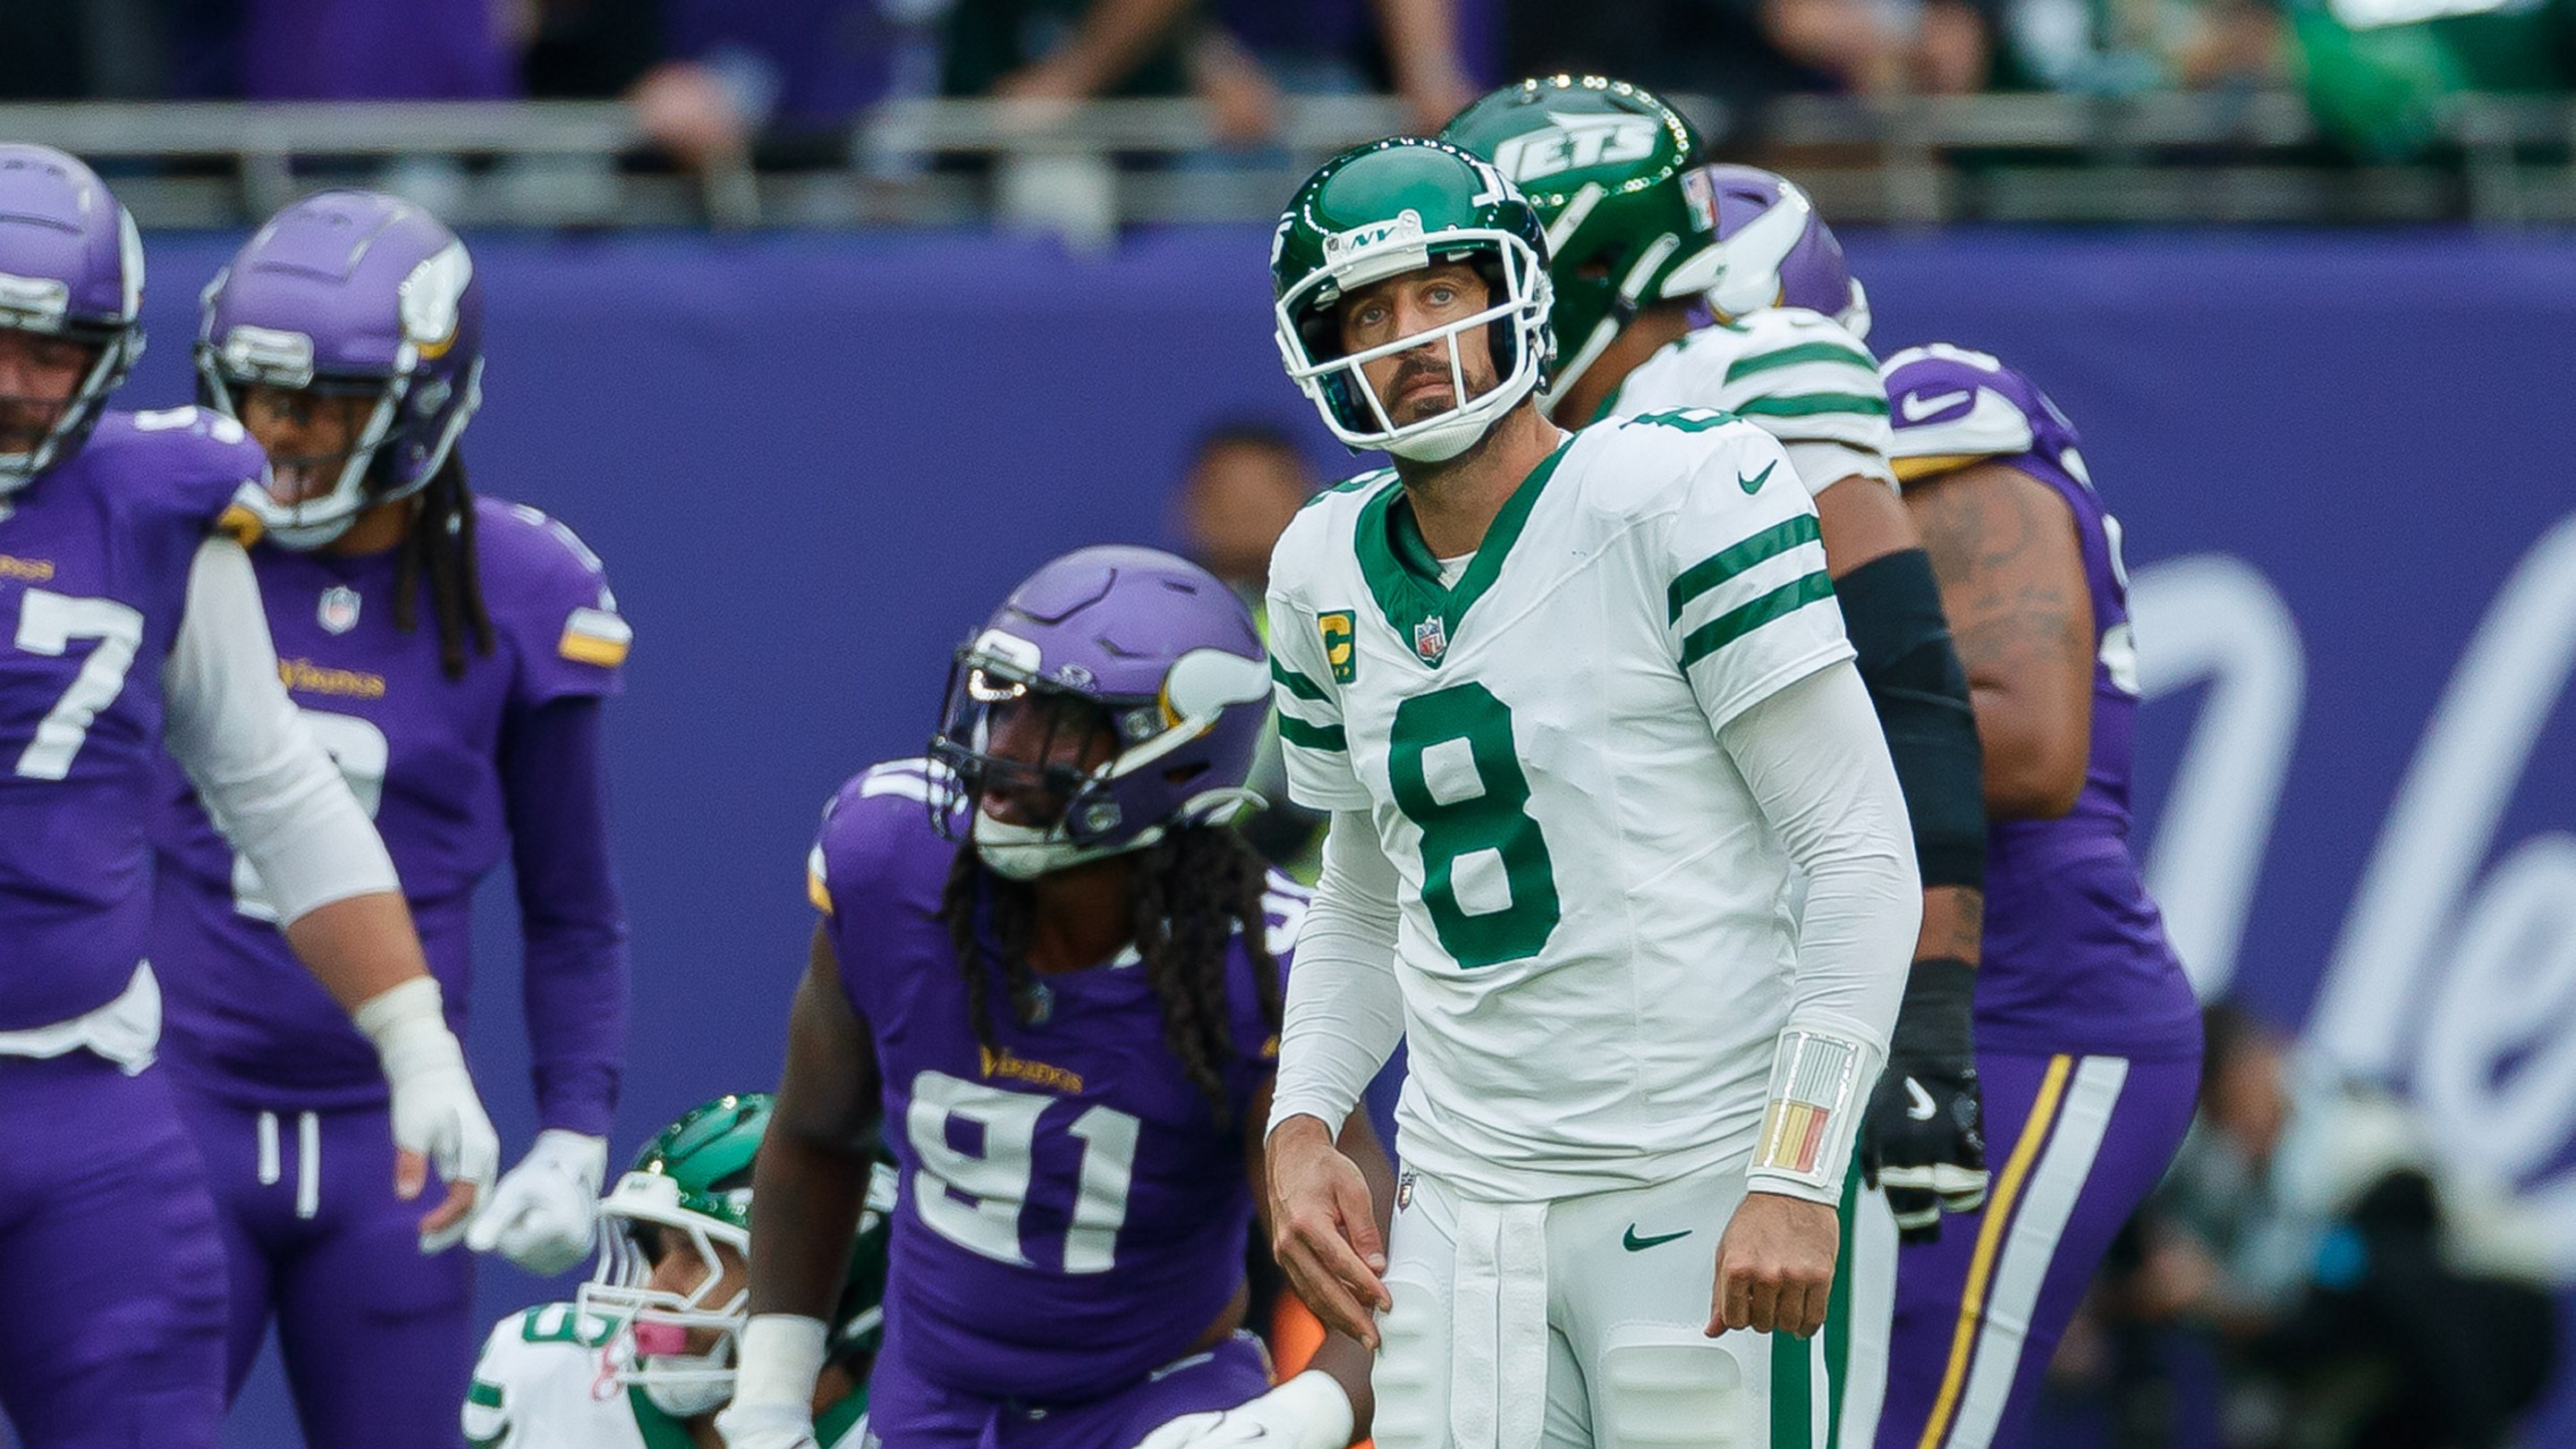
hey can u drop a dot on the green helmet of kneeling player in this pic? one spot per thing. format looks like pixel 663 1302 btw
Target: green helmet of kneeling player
pixel 1374 214
pixel 1608 168
pixel 673 1272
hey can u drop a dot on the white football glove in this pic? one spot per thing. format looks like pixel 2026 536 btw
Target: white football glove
pixel 435 1110
pixel 780 1355
pixel 767 1426
pixel 1310 1411
pixel 543 1214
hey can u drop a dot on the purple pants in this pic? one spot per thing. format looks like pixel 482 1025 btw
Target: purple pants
pixel 2075 1143
pixel 378 1341
pixel 907 1413
pixel 114 1333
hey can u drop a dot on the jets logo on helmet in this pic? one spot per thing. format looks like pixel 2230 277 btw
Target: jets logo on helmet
pixel 1602 163
pixel 1575 142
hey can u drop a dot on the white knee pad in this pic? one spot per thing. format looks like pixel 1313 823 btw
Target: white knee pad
pixel 1660 1384
pixel 1411 1374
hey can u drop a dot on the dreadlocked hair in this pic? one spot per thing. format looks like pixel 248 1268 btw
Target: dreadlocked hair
pixel 1193 891
pixel 440 545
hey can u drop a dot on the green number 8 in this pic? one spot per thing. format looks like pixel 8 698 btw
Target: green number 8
pixel 1495 819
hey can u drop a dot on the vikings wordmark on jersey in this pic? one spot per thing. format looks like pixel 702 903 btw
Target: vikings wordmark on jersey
pixel 1073 1212
pixel 422 752
pixel 93 579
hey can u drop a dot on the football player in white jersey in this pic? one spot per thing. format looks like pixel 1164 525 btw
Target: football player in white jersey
pixel 643 1356
pixel 1579 705
pixel 1643 245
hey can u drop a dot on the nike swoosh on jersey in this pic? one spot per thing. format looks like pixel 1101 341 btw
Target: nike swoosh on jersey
pixel 1917 407
pixel 1754 483
pixel 1919 1105
pixel 1635 1244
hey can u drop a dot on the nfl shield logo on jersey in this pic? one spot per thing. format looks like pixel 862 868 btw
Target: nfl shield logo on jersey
pixel 1431 639
pixel 339 611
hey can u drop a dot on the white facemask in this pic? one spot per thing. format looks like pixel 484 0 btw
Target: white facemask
pixel 690 1397
pixel 1023 852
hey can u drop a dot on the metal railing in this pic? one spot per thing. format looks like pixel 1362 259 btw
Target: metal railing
pixel 1086 172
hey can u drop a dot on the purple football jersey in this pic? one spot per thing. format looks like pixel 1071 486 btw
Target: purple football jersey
pixel 2075 951
pixel 94 557
pixel 1073 1210
pixel 422 752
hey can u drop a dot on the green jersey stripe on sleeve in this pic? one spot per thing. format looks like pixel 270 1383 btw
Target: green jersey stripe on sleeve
pixel 1735 558
pixel 1734 624
pixel 483 1392
pixel 1297 684
pixel 1805 405
pixel 1314 737
pixel 1751 363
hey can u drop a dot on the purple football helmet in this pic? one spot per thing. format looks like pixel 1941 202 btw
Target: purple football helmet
pixel 1118 693
pixel 71 266
pixel 1776 251
pixel 355 294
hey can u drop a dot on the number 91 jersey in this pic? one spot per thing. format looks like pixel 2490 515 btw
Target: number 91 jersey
pixel 1595 947
pixel 1073 1209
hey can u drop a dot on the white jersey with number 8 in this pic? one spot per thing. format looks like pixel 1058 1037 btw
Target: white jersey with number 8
pixel 1595 947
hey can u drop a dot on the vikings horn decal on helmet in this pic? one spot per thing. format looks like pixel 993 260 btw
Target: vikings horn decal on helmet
pixel 71 266
pixel 363 295
pixel 695 1177
pixel 1602 162
pixel 1142 659
pixel 1777 252
pixel 1391 207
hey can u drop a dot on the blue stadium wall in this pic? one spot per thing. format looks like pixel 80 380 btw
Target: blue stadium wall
pixel 812 465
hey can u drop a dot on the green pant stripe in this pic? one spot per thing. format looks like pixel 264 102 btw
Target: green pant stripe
pixel 1793 1393
pixel 1838 1309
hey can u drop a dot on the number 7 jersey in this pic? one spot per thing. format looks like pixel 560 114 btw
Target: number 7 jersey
pixel 1595 947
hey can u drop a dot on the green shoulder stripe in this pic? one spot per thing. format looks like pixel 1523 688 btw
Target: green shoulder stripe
pixel 1806 405
pixel 1735 558
pixel 1754 362
pixel 1314 737
pixel 1297 684
pixel 1734 624
pixel 483 1392
pixel 1360 484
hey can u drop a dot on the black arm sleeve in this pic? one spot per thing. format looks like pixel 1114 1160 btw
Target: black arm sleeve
pixel 1892 608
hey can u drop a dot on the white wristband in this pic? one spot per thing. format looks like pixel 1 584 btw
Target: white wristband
pixel 782 1356
pixel 408 1024
pixel 1818 1081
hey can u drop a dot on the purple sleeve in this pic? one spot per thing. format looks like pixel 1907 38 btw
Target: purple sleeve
pixel 574 976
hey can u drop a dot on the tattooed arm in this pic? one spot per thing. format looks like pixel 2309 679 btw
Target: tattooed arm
pixel 2012 583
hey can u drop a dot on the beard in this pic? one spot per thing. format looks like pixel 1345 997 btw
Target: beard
pixel 1431 403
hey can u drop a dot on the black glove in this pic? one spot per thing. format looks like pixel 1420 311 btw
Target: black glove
pixel 1923 1139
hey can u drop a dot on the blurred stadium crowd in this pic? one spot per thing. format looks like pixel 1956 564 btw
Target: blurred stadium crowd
pixel 784 78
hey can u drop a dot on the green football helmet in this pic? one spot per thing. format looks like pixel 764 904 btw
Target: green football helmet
pixel 1395 206
pixel 695 1176
pixel 1607 166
